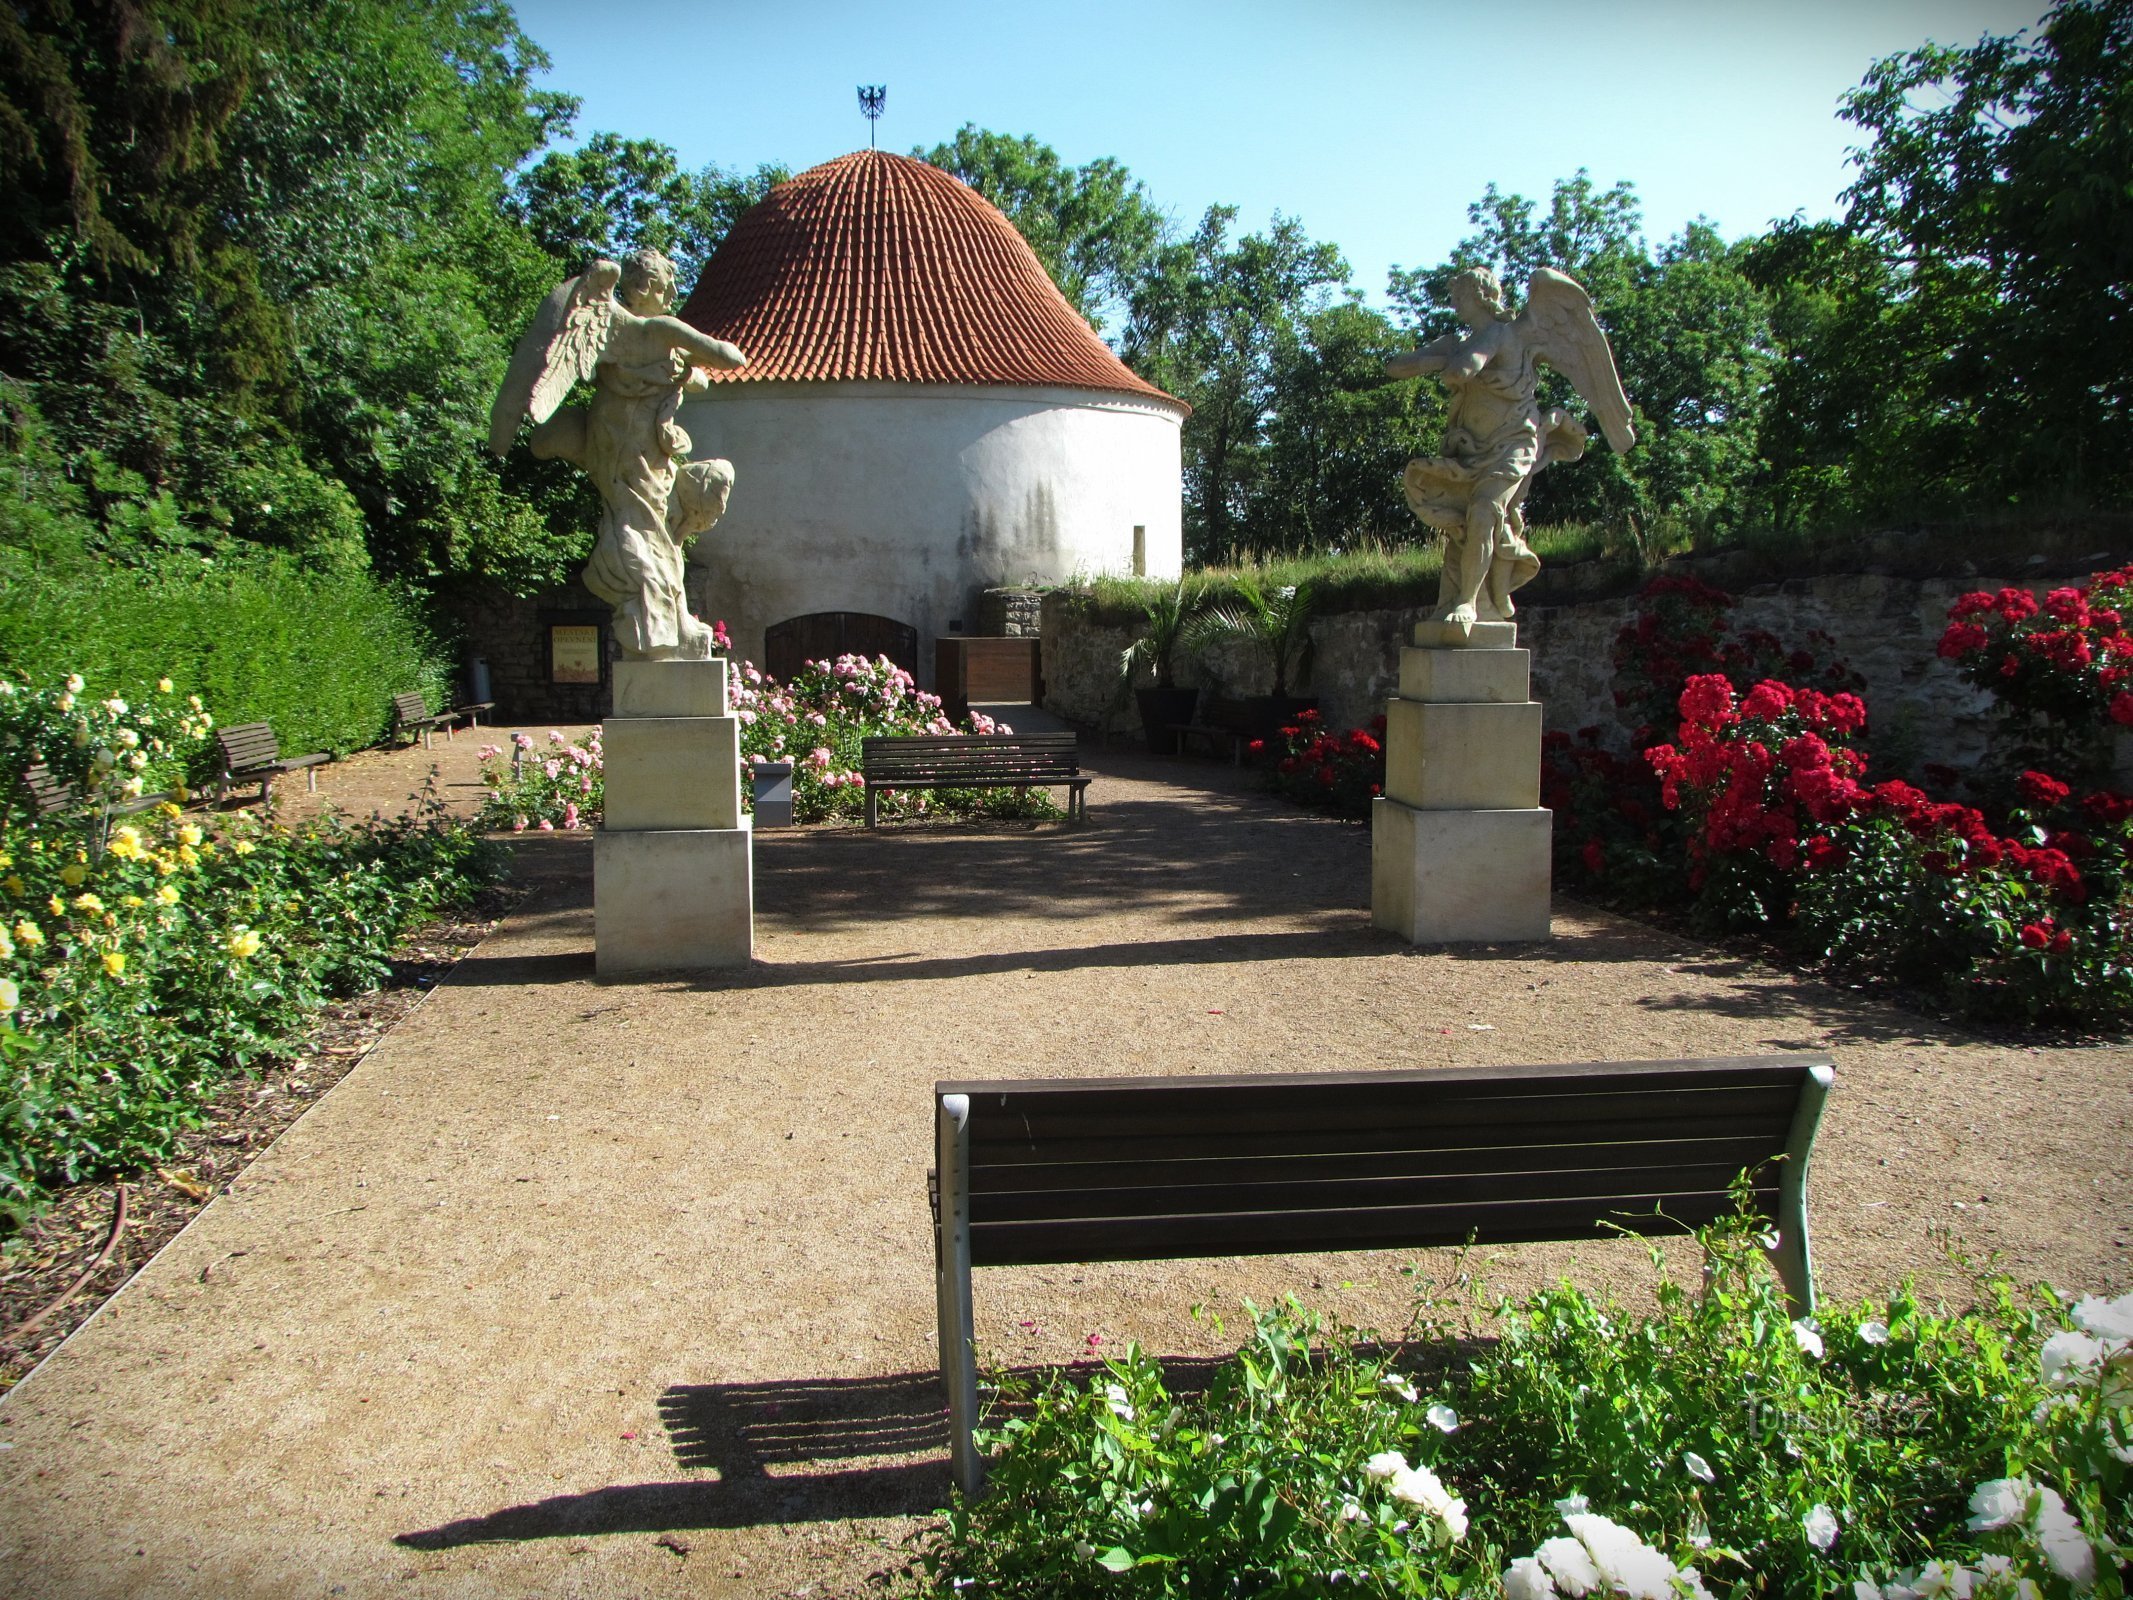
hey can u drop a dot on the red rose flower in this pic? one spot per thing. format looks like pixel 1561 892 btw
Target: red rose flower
pixel 1594 857
pixel 2033 936
pixel 2042 790
pixel 2122 708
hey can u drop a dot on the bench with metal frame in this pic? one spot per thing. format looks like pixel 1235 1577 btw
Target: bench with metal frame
pixel 1220 721
pixel 975 761
pixel 1057 1171
pixel 251 753
pixel 49 796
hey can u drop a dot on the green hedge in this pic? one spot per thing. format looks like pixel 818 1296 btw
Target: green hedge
pixel 260 638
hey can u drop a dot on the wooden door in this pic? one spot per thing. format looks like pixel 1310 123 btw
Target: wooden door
pixel 826 635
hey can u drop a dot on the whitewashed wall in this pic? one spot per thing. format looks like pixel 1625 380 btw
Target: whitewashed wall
pixel 906 500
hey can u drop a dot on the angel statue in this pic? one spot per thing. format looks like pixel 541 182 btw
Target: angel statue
pixel 1498 435
pixel 642 361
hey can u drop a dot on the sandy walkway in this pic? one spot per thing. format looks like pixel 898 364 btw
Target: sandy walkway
pixel 566 1278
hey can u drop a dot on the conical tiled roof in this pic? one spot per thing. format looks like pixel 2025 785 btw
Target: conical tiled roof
pixel 877 266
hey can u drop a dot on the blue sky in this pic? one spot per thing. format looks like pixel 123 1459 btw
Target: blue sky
pixel 1374 121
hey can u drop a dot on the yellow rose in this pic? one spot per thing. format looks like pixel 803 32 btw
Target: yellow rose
pixel 167 895
pixel 59 906
pixel 133 902
pixel 87 902
pixel 188 856
pixel 15 885
pixel 10 996
pixel 189 833
pixel 28 935
pixel 244 944
pixel 178 793
pixel 73 876
pixel 125 844
pixel 6 860
pixel 7 946
pixel 244 847
pixel 164 686
pixel 115 963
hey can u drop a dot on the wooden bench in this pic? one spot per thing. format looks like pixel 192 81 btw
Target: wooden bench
pixel 975 761
pixel 1057 1171
pixel 412 714
pixel 49 795
pixel 249 751
pixel 1219 721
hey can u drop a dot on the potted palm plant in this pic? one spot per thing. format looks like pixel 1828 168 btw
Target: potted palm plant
pixel 1277 622
pixel 1168 633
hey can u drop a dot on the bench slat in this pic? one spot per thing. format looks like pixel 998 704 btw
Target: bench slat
pixel 1417 1187
pixel 1408 1107
pixel 1230 1167
pixel 1252 1233
pixel 991 1095
pixel 1187 1146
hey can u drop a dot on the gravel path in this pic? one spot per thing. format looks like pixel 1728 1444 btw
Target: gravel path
pixel 625 1290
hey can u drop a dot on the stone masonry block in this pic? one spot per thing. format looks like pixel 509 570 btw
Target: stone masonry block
pixel 1481 636
pixel 1454 877
pixel 673 900
pixel 1465 757
pixel 1497 676
pixel 673 772
pixel 670 689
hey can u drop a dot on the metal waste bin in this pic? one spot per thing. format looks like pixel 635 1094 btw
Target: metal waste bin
pixel 773 794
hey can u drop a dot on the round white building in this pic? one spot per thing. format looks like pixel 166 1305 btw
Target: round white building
pixel 923 416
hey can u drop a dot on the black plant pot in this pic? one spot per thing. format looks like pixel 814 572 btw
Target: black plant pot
pixel 1161 710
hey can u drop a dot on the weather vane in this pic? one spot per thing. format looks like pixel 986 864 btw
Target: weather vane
pixel 872 96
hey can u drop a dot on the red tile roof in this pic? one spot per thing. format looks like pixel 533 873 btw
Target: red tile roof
pixel 877 266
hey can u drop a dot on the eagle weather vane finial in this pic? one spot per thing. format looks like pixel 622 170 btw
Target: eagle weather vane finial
pixel 872 97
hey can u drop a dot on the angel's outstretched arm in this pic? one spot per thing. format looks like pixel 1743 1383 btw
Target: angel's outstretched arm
pixel 700 347
pixel 1432 357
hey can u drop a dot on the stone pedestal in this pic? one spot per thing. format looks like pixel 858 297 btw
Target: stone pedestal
pixel 1459 842
pixel 673 866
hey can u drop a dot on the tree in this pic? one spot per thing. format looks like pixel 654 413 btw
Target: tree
pixel 1093 226
pixel 612 196
pixel 1209 323
pixel 1993 185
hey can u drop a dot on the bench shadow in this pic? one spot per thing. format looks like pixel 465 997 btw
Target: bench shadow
pixel 769 1443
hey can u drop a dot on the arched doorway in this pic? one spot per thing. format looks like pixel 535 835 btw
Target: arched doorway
pixel 825 635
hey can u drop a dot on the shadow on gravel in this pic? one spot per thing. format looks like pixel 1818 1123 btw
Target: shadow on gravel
pixel 767 1442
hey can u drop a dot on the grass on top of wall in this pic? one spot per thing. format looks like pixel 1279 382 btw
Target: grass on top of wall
pixel 1370 576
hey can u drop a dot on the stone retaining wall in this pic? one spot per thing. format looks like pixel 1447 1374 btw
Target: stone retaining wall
pixel 1885 626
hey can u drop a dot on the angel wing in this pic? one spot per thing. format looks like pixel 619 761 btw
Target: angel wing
pixel 1560 329
pixel 558 350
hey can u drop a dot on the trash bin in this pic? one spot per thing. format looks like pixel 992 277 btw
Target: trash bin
pixel 773 794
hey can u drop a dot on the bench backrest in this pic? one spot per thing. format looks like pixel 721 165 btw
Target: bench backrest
pixel 979 758
pixel 1144 1169
pixel 47 791
pixel 247 745
pixel 410 707
pixel 1234 715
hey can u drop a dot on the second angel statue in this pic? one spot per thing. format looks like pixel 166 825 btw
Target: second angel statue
pixel 1498 435
pixel 654 500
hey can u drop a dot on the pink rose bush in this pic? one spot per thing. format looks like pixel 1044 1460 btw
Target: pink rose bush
pixel 816 722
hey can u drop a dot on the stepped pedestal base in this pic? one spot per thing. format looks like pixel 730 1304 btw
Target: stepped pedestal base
pixel 674 864
pixel 673 899
pixel 1457 877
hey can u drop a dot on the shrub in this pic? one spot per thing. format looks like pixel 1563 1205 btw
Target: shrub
pixel 261 638
pixel 1714 1447
pixel 1338 772
pixel 816 722
pixel 562 786
pixel 133 981
pixel 2061 668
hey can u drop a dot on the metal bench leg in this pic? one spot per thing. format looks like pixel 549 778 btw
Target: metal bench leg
pixel 311 780
pixel 1792 1257
pixel 958 1338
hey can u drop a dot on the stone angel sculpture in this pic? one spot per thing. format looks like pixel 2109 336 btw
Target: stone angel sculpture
pixel 1498 436
pixel 641 361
